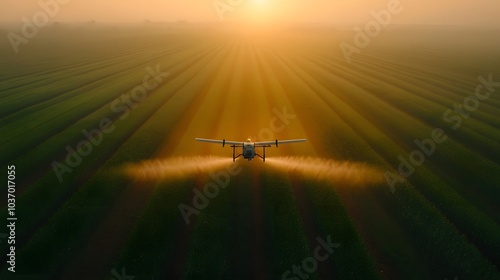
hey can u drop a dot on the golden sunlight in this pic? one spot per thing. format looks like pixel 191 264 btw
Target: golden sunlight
pixel 260 11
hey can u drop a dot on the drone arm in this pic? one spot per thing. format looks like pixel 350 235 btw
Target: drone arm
pixel 223 141
pixel 277 142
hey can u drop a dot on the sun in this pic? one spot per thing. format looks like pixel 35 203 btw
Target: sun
pixel 259 10
pixel 260 4
pixel 264 13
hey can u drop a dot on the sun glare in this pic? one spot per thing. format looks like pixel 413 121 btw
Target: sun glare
pixel 260 11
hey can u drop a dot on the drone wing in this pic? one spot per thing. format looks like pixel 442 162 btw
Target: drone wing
pixel 223 141
pixel 277 142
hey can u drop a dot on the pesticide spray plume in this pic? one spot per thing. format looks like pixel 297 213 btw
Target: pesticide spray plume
pixel 339 173
pixel 174 168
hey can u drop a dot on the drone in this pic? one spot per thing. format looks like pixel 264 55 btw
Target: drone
pixel 248 147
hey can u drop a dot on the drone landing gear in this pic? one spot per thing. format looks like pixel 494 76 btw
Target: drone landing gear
pixel 234 153
pixel 263 157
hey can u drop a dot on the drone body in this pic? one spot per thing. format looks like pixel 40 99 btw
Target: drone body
pixel 248 147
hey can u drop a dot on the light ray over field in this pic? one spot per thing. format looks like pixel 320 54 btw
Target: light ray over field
pixel 176 167
pixel 341 173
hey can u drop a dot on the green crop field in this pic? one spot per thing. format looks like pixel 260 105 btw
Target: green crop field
pixel 399 177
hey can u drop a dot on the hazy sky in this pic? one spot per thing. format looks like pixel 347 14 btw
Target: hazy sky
pixel 484 12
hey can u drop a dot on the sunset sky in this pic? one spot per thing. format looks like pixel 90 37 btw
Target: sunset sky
pixel 483 12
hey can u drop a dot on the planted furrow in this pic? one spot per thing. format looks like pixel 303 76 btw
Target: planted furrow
pixel 60 192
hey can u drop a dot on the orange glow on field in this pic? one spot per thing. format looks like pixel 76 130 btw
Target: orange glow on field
pixel 339 173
